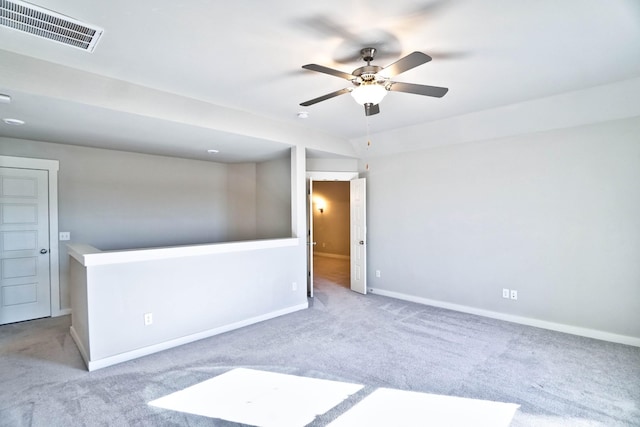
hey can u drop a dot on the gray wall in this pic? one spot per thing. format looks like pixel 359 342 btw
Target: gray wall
pixel 554 215
pixel 332 164
pixel 260 206
pixel 241 208
pixel 273 198
pixel 119 200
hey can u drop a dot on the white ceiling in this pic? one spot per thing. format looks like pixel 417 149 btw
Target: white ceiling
pixel 178 77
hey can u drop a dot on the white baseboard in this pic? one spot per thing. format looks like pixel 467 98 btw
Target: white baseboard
pixel 92 365
pixel 328 255
pixel 559 327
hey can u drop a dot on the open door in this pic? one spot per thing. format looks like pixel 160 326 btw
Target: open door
pixel 358 233
pixel 310 242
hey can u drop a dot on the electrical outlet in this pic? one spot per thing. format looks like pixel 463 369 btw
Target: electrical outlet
pixel 505 293
pixel 64 235
pixel 294 286
pixel 148 319
pixel 377 273
pixel 514 294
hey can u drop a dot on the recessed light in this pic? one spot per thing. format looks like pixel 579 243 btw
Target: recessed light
pixel 4 99
pixel 212 151
pixel 14 122
pixel 303 115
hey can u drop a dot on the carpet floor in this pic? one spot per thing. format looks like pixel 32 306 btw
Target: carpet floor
pixel 379 342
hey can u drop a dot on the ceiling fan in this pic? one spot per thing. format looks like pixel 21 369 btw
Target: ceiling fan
pixel 372 82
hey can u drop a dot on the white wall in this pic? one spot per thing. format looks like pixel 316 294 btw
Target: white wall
pixel 554 215
pixel 192 292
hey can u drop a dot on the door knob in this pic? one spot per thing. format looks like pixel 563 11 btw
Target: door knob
pixel 43 251
pixel 361 242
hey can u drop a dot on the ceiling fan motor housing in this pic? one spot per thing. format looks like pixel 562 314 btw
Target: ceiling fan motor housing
pixel 368 53
pixel 367 75
pixel 366 70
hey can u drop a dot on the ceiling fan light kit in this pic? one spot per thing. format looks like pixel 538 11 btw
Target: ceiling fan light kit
pixel 372 82
pixel 369 93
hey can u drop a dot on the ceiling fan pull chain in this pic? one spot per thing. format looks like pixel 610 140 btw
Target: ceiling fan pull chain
pixel 366 157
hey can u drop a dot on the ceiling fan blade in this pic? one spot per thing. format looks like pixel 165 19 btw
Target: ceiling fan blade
pixel 404 64
pixel 435 91
pixel 330 71
pixel 371 109
pixel 327 27
pixel 325 97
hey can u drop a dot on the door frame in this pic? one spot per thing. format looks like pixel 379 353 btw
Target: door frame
pixel 320 176
pixel 52 167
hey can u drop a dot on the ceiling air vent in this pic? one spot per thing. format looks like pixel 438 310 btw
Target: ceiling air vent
pixel 50 25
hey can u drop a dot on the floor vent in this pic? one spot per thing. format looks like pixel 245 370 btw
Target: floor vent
pixel 47 24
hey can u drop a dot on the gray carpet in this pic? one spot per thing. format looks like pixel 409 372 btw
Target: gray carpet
pixel 558 379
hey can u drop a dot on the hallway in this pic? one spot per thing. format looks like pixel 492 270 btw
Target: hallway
pixel 331 271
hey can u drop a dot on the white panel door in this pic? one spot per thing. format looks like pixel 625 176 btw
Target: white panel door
pixel 358 235
pixel 310 242
pixel 24 245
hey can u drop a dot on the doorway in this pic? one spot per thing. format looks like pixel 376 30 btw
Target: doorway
pixel 24 246
pixel 331 232
pixel 29 281
pixel 356 231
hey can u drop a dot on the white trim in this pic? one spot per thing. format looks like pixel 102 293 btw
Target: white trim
pixel 559 327
pixel 298 193
pixel 331 176
pixel 52 167
pixel 90 256
pixel 145 351
pixel 328 255
pixel 320 176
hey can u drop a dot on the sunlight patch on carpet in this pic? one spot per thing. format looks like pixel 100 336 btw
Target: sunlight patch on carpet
pixel 388 407
pixel 259 398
